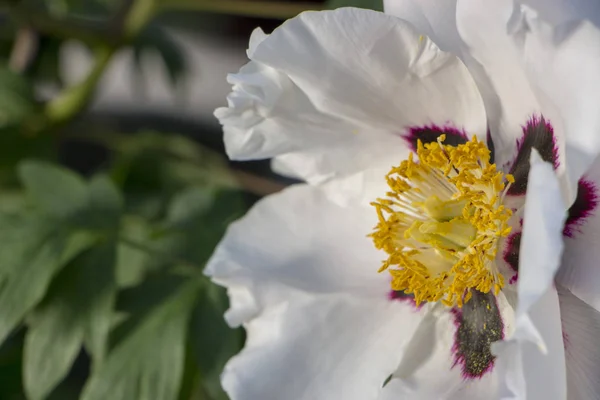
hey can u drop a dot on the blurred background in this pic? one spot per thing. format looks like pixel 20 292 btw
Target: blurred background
pixel 114 191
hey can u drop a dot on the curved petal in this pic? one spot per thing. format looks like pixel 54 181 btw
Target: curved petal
pixel 560 11
pixel 537 64
pixel 309 238
pixel 427 354
pixel 579 272
pixel 541 239
pixel 526 371
pixel 493 59
pixel 562 63
pixel 531 363
pixel 351 78
pixel 323 163
pixel 581 329
pixel 319 347
pixel 434 351
pixel 302 279
pixel 436 19
pixel 456 26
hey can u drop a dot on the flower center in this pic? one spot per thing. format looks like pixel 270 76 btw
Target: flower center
pixel 441 222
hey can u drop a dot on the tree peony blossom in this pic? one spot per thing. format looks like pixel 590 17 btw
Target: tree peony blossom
pixel 453 150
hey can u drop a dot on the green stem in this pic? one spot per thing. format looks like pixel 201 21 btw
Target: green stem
pixel 74 99
pixel 265 9
pixel 141 12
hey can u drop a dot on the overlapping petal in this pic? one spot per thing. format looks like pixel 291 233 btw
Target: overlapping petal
pixel 324 347
pixel 528 58
pixel 311 238
pixel 560 11
pixel 500 76
pixel 539 63
pixel 350 78
pixel 302 279
pixel 431 369
pixel 562 63
pixel 580 272
pixel 433 18
pixel 534 352
pixel 581 329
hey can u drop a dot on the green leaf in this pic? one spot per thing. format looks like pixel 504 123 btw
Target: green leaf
pixel 132 261
pixel 32 251
pixel 376 5
pixel 196 220
pixel 16 98
pixel 57 191
pixel 188 204
pixel 105 204
pixel 155 39
pixel 98 292
pixel 213 341
pixel 148 362
pixel 152 167
pixel 62 194
pixel 77 307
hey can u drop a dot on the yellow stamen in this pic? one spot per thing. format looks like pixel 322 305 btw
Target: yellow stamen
pixel 441 222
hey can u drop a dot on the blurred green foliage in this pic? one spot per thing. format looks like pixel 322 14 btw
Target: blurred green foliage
pixel 102 292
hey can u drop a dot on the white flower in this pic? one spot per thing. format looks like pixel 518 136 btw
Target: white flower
pixel 340 98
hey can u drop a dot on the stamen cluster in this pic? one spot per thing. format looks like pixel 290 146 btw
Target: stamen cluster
pixel 441 221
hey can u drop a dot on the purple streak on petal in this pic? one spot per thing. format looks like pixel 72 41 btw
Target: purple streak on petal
pixel 430 133
pixel 585 203
pixel 538 133
pixel 511 254
pixel 399 295
pixel 478 324
pixel 490 146
pixel 511 251
pixel 566 341
pixel 546 144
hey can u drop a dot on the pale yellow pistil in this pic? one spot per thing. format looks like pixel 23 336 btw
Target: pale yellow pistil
pixel 441 222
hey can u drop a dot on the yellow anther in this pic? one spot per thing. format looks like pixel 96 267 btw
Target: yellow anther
pixel 441 221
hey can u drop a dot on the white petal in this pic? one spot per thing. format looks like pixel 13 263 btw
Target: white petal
pixel 562 64
pixel 499 81
pixel 581 330
pixel 434 18
pixel 428 370
pixel 256 38
pixel 531 361
pixel 542 240
pixel 579 271
pixel 350 78
pixel 531 364
pixel 323 347
pixel 302 278
pixel 323 163
pixel 428 354
pixel 560 11
pixel 311 238
pixel 496 64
